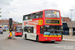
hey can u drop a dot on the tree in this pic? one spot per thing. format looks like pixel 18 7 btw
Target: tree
pixel 20 23
pixel 0 12
pixel 0 15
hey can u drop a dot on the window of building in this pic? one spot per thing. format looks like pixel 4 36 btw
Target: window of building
pixel 65 18
pixel 62 19
pixel 68 20
pixel 65 24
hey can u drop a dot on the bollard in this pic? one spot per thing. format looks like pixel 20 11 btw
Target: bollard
pixel 10 35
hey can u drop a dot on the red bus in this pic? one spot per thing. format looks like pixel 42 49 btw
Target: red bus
pixel 18 31
pixel 43 25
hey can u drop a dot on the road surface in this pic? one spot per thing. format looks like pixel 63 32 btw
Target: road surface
pixel 18 43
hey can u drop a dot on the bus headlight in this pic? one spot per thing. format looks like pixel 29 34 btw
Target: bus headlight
pixel 45 38
pixel 59 38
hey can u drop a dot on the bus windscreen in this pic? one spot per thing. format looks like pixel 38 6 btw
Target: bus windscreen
pixel 52 14
pixel 19 29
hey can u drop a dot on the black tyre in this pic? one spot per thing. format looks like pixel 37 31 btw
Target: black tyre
pixel 37 39
pixel 2 32
pixel 25 37
pixel 19 36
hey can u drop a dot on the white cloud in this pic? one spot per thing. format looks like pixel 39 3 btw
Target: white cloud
pixel 17 8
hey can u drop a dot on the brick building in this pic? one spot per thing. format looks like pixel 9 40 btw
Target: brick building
pixel 65 19
pixel 5 23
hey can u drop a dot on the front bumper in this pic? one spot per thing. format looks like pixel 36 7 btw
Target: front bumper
pixel 49 38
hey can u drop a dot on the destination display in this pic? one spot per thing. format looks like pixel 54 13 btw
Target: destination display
pixel 52 21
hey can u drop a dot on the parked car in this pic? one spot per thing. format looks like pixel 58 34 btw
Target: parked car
pixel 4 29
pixel 1 31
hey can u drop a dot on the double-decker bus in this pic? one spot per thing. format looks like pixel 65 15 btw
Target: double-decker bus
pixel 43 25
pixel 18 30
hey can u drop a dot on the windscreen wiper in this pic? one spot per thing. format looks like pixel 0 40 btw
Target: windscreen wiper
pixel 56 34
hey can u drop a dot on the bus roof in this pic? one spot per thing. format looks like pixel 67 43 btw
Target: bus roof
pixel 42 10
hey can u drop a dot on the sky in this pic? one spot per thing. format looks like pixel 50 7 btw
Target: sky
pixel 17 8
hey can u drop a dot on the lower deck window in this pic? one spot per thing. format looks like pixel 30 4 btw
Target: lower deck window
pixel 29 29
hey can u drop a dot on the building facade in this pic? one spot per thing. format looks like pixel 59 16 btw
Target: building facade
pixel 64 25
pixel 71 26
pixel 4 24
pixel 65 19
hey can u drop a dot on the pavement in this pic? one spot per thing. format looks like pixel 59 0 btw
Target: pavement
pixel 68 38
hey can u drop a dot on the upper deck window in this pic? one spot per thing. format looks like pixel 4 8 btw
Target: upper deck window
pixel 41 14
pixel 37 15
pixel 52 14
pixel 33 16
pixel 26 17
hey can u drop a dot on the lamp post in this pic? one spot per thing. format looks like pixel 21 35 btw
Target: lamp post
pixel 71 13
pixel 71 28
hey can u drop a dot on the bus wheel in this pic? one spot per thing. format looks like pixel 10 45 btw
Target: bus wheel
pixel 25 37
pixel 37 39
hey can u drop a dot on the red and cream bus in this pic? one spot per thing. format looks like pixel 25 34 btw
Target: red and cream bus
pixel 18 30
pixel 43 25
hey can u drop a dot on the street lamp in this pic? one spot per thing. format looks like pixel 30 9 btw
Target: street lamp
pixel 71 13
pixel 71 28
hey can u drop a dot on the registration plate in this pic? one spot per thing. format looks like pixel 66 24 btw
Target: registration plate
pixel 52 40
